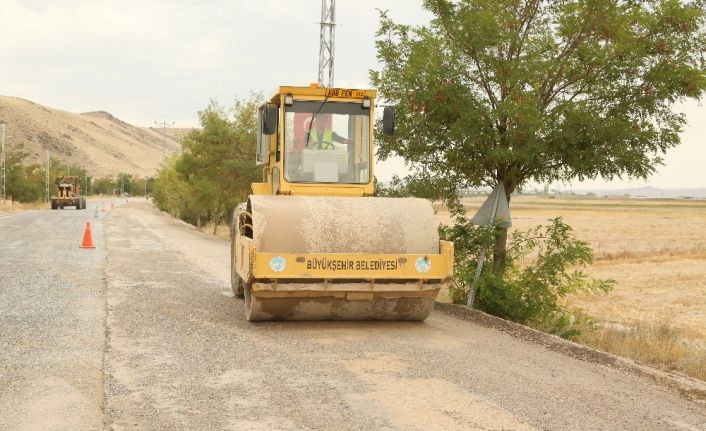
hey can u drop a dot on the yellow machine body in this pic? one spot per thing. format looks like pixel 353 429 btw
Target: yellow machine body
pixel 274 180
pixel 312 243
pixel 67 192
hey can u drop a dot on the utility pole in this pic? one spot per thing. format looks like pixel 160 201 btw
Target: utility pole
pixel 164 125
pixel 46 180
pixel 2 160
pixel 326 42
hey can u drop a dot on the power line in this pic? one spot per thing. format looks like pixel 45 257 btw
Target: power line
pixel 164 125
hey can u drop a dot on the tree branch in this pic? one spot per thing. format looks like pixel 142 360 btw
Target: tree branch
pixel 529 13
pixel 471 53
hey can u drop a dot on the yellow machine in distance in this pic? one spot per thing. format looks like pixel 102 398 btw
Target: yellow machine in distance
pixel 312 243
pixel 68 193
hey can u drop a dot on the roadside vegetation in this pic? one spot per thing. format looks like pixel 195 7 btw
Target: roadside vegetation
pixel 212 175
pixel 545 264
pixel 654 312
pixel 510 94
pixel 533 293
pixel 26 182
pixel 659 343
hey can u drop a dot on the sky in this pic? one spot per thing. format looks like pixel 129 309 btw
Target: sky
pixel 150 60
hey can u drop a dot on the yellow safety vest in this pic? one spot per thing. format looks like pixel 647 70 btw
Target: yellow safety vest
pixel 326 142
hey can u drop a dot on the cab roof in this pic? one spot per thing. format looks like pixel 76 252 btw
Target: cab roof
pixel 322 92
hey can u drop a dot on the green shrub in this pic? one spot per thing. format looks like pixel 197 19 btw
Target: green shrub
pixel 531 293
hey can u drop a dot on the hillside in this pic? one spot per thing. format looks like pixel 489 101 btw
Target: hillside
pixel 97 140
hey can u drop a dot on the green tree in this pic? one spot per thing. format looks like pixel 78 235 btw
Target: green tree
pixel 24 183
pixel 103 186
pixel 124 183
pixel 171 192
pixel 214 172
pixel 139 186
pixel 511 91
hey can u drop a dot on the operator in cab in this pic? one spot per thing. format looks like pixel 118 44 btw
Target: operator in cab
pixel 321 136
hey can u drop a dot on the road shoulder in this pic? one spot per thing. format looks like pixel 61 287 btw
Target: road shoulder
pixel 691 389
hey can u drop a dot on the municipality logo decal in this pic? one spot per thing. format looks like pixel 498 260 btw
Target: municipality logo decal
pixel 278 264
pixel 423 264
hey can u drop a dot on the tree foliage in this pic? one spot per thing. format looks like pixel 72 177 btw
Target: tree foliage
pixel 104 186
pixel 511 91
pixel 216 167
pixel 26 182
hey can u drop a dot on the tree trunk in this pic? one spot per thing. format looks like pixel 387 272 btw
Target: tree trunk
pixel 216 220
pixel 500 252
pixel 500 244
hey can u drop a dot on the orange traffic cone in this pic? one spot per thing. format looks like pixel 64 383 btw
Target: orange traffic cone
pixel 87 240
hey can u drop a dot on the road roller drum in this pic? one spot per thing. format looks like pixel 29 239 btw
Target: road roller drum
pixel 355 243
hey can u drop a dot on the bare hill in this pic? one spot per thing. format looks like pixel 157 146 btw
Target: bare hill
pixel 97 140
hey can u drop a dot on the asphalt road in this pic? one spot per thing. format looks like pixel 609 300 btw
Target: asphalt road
pixel 142 333
pixel 52 321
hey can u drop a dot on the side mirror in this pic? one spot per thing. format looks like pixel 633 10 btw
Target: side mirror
pixel 269 120
pixel 388 121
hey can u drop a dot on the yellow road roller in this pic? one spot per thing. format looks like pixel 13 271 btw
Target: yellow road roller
pixel 311 242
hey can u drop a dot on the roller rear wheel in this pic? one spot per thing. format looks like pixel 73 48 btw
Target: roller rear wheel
pixel 302 306
pixel 247 294
pixel 236 283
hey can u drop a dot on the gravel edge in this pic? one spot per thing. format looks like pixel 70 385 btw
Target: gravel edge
pixel 692 389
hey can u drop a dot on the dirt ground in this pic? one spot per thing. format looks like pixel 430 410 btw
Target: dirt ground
pixel 8 206
pixel 143 332
pixel 655 250
pixel 180 355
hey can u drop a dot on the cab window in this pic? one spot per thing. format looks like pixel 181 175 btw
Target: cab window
pixel 327 142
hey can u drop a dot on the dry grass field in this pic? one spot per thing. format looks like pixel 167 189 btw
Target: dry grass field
pixel 9 207
pixel 655 250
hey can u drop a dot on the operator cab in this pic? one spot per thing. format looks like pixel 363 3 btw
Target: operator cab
pixel 312 137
